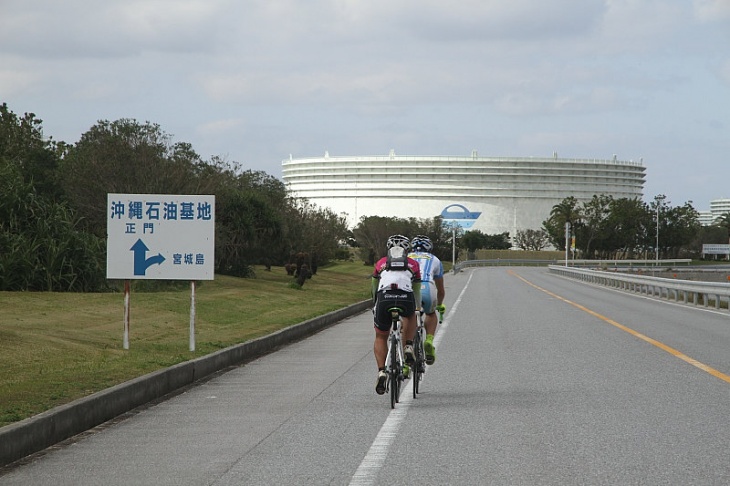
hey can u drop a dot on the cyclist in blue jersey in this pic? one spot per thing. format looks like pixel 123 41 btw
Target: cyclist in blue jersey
pixel 433 291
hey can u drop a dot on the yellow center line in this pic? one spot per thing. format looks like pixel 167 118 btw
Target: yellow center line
pixel 668 349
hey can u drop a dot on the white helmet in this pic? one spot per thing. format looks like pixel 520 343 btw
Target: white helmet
pixel 399 240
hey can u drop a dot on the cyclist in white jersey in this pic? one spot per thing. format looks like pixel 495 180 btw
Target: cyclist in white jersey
pixel 395 283
pixel 432 289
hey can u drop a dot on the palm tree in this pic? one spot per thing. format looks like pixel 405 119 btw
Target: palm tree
pixel 567 211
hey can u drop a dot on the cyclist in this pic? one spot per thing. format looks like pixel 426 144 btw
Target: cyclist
pixel 432 289
pixel 395 282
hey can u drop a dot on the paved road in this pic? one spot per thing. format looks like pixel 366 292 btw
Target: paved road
pixel 539 380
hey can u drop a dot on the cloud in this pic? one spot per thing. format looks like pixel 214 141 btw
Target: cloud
pixel 19 80
pixel 220 128
pixel 83 28
pixel 724 72
pixel 494 20
pixel 712 10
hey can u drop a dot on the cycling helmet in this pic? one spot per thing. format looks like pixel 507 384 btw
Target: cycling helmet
pixel 399 240
pixel 422 243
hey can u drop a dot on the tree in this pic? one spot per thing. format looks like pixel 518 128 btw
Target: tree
pixel 372 234
pixel 625 229
pixel 723 221
pixel 707 235
pixel 498 242
pixel 531 239
pixel 245 225
pixel 566 211
pixel 594 217
pixel 317 232
pixel 125 157
pixel 681 225
pixel 42 245
pixel 473 240
pixel 22 145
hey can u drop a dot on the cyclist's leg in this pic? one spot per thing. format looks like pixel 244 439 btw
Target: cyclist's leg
pixel 380 348
pixel 408 351
pixel 380 345
pixel 430 321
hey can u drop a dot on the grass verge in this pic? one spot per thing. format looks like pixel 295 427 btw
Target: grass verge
pixel 57 347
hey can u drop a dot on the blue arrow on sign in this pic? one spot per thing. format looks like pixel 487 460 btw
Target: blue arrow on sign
pixel 141 262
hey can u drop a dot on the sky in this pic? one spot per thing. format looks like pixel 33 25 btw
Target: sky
pixel 255 81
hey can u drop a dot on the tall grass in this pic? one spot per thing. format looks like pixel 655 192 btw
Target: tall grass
pixel 57 347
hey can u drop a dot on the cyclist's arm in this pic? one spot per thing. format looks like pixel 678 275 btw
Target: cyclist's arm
pixel 417 293
pixel 374 287
pixel 440 290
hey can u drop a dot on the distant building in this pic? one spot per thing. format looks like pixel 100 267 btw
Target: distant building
pixel 718 208
pixel 508 193
pixel 706 218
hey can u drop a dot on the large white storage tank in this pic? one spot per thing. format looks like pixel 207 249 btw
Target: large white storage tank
pixel 511 193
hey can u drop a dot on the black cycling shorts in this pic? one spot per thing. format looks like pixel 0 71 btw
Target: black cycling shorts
pixel 389 298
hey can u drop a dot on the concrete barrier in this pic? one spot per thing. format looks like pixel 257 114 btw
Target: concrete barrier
pixel 36 433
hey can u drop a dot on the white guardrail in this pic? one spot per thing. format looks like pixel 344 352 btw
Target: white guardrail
pixel 685 291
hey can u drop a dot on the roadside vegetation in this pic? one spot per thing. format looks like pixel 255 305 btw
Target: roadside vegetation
pixel 56 347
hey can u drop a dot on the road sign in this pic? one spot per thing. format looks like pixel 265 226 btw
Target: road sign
pixel 160 237
pixel 457 215
pixel 715 249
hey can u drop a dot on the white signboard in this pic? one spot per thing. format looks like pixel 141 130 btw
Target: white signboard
pixel 160 237
pixel 715 249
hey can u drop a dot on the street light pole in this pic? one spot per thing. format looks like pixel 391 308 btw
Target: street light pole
pixel 567 241
pixel 659 199
pixel 453 248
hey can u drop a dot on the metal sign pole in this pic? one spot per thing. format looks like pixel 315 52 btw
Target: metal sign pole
pixel 192 315
pixel 567 241
pixel 125 338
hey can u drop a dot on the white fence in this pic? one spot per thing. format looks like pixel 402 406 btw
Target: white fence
pixel 685 291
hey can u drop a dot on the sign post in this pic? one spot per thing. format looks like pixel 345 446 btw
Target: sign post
pixel 459 218
pixel 160 237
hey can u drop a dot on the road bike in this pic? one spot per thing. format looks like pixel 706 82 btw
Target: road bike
pixel 394 359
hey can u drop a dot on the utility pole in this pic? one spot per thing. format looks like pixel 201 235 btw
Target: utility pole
pixel 659 200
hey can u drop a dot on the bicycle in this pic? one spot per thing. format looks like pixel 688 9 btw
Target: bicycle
pixel 394 359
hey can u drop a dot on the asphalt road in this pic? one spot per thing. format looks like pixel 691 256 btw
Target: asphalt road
pixel 539 380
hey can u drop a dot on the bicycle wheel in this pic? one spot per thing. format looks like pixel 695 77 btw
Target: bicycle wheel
pixel 395 373
pixel 416 372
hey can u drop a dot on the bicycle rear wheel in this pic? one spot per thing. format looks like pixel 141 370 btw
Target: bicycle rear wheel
pixel 416 372
pixel 395 373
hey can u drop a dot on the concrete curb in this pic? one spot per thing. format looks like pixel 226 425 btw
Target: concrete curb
pixel 48 428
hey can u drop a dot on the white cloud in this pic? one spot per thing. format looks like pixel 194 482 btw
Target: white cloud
pixel 712 10
pixel 16 81
pixel 83 28
pixel 724 72
pixel 220 128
